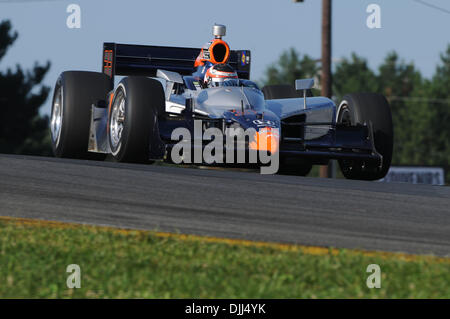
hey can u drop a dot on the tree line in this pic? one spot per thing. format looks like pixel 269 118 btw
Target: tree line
pixel 23 130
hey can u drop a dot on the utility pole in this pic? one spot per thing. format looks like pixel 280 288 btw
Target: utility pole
pixel 325 171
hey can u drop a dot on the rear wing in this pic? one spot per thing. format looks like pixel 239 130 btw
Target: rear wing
pixel 127 59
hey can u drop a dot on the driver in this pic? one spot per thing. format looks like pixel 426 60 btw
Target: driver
pixel 218 74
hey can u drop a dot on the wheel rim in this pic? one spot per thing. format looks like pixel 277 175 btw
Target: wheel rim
pixel 57 115
pixel 344 116
pixel 116 124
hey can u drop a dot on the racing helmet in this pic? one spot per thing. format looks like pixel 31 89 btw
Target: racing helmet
pixel 219 73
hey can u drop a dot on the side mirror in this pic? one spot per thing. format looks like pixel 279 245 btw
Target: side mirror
pixel 304 84
pixel 169 76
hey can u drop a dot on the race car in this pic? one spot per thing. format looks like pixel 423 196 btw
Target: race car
pixel 168 88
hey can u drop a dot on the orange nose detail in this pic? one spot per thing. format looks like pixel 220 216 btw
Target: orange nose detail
pixel 266 139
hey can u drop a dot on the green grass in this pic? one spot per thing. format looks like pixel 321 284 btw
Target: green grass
pixel 119 264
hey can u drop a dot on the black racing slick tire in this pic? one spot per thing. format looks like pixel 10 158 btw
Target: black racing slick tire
pixel 282 91
pixel 365 108
pixel 133 118
pixel 75 92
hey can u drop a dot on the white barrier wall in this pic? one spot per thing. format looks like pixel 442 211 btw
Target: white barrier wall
pixel 415 175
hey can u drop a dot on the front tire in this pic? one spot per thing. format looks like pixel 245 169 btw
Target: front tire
pixel 362 108
pixel 133 118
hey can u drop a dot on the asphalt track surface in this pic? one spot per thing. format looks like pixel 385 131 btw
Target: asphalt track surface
pixel 244 205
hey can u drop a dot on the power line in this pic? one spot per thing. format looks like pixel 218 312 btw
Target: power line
pixel 432 6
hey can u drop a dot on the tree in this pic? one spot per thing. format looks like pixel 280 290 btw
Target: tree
pixel 402 85
pixel 23 130
pixel 440 104
pixel 290 67
pixel 353 75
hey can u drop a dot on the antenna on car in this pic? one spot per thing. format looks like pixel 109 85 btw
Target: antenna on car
pixel 219 30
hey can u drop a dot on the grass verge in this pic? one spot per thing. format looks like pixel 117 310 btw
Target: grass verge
pixel 139 264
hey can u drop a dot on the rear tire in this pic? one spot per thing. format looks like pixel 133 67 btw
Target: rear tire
pixel 75 92
pixel 361 108
pixel 133 118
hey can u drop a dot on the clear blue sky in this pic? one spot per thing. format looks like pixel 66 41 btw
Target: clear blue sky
pixel 267 27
